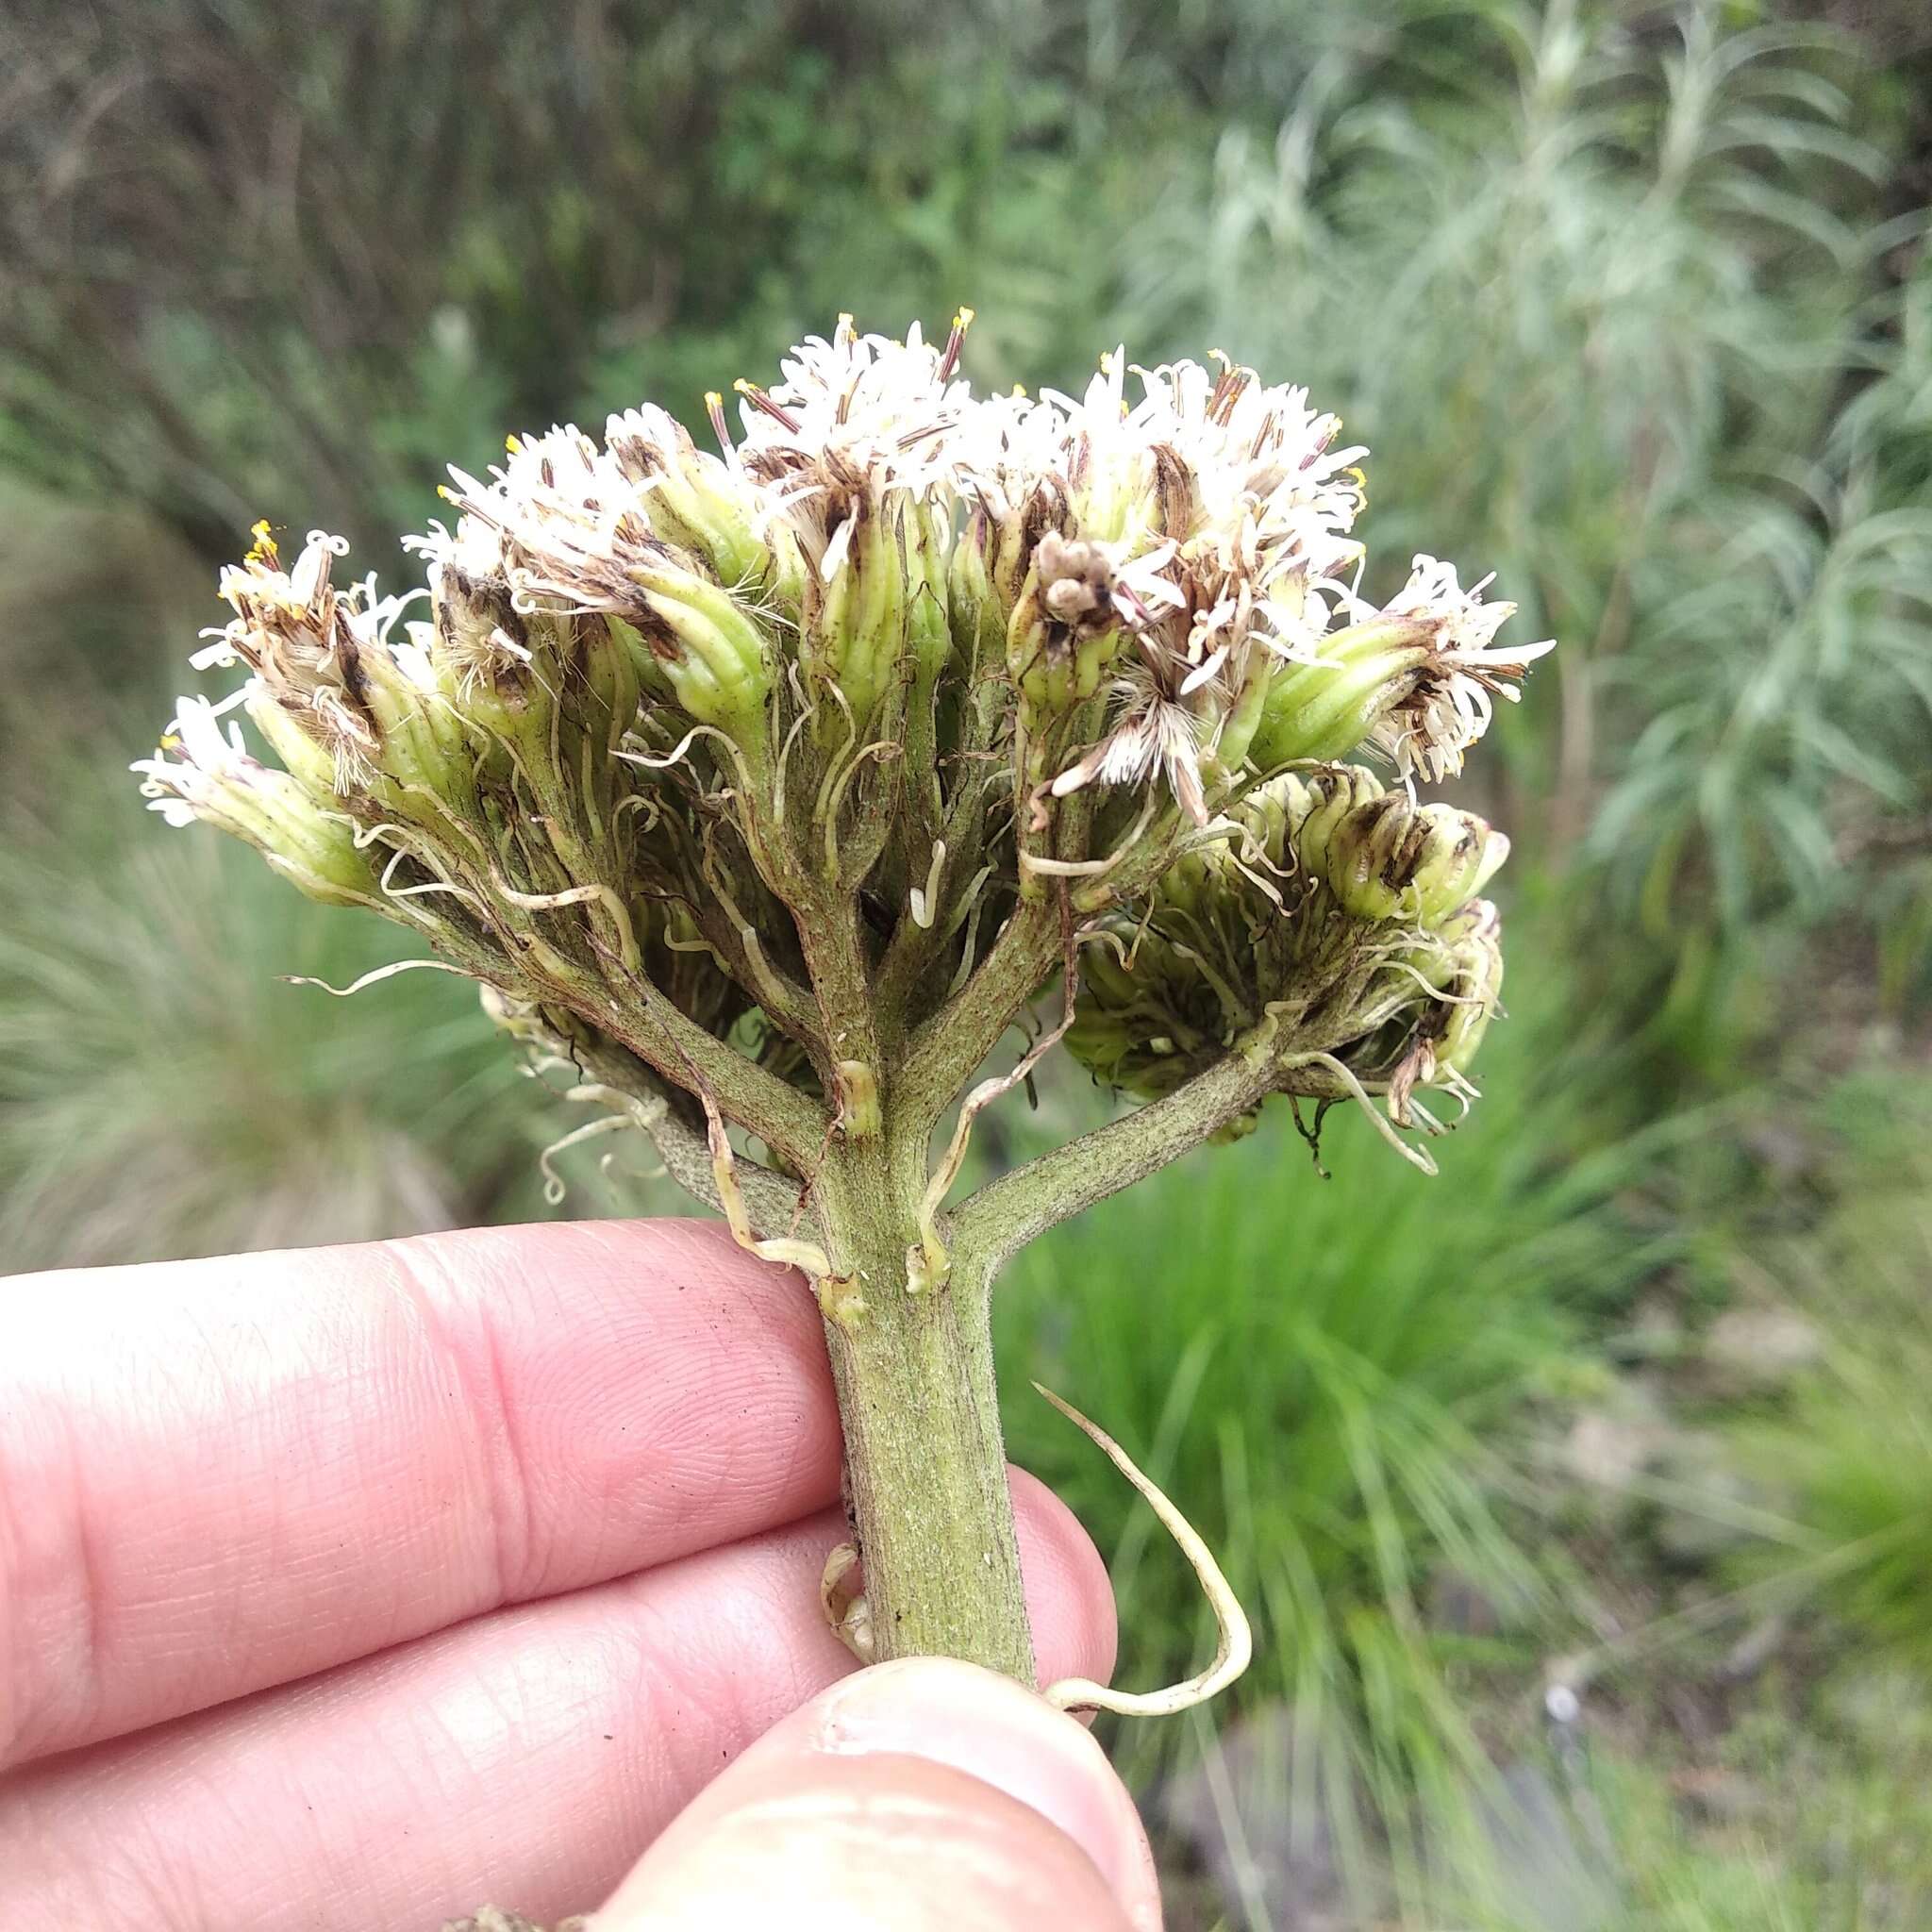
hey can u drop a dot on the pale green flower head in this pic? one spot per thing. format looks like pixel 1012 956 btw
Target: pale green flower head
pixel 892 660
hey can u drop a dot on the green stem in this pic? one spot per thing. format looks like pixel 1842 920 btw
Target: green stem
pixel 685 1054
pixel 1008 1213
pixel 942 1055
pixel 933 1517
pixel 775 1206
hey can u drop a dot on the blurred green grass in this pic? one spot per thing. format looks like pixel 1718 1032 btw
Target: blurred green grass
pixel 1336 1375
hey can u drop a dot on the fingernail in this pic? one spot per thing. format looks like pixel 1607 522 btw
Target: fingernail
pixel 995 1730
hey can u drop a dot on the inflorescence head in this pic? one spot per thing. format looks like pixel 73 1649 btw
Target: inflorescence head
pixel 932 652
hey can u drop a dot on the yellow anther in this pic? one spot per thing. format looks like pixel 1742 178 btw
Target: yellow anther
pixel 513 443
pixel 949 358
pixel 713 400
pixel 443 490
pixel 759 399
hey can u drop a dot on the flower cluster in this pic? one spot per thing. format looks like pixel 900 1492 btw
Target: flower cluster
pixel 1343 914
pixel 891 662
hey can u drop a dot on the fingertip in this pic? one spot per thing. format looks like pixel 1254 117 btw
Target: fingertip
pixel 924 1793
pixel 980 1723
pixel 1069 1593
pixel 704 1246
pixel 884 1844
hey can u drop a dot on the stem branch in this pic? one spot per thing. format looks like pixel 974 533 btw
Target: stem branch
pixel 1006 1214
pixel 772 1205
pixel 946 1051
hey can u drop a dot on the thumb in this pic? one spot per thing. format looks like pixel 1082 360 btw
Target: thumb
pixel 920 1796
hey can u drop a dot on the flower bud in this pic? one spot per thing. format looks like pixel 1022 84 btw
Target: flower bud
pixel 855 618
pixel 1314 804
pixel 1325 708
pixel 1391 859
pixel 928 622
pixel 480 640
pixel 706 644
pixel 976 613
pixel 497 673
pixel 1236 726
pixel 1064 632
pixel 1475 941
pixel 694 501
pixel 1418 679
pixel 201 772
pixel 1133 1028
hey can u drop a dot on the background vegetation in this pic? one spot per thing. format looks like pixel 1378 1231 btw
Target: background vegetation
pixel 1585 1494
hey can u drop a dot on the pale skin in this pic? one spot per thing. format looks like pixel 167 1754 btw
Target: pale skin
pixel 359 1586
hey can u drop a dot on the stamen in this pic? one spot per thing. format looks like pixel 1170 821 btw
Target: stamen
pixel 962 321
pixel 714 407
pixel 759 399
pixel 1229 387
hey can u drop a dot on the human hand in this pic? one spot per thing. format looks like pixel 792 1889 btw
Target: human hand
pixel 349 1587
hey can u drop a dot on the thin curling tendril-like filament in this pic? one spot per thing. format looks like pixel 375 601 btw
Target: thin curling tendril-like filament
pixel 1235 1647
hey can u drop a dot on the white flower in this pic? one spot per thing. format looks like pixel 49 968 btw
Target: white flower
pixel 1454 700
pixel 1242 480
pixel 854 425
pixel 1191 540
pixel 209 759
pixel 883 405
pixel 1156 734
pixel 551 523
pixel 1225 509
pixel 1007 449
pixel 303 642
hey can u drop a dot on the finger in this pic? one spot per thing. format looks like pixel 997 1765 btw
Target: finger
pixel 526 1757
pixel 927 1796
pixel 220 1476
